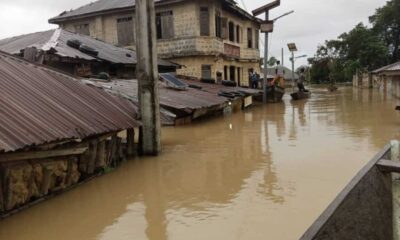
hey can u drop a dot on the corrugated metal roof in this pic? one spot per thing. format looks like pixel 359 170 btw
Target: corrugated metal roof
pixel 186 101
pixel 389 68
pixel 217 88
pixel 98 6
pixel 56 40
pixel 114 5
pixel 39 105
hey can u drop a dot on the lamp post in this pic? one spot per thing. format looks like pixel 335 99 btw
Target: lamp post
pixel 267 27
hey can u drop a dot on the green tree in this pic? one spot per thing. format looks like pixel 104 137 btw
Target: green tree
pixel 386 23
pixel 338 60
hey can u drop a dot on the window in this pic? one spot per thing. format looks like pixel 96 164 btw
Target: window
pixel 204 21
pixel 165 25
pixel 206 71
pixel 83 29
pixel 125 31
pixel 218 26
pixel 238 34
pixel 250 38
pixel 225 72
pixel 231 32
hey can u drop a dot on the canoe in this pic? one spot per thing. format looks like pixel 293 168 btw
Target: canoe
pixel 275 94
pixel 300 95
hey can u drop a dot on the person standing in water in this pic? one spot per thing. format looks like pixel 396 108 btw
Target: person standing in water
pixel 279 79
pixel 301 80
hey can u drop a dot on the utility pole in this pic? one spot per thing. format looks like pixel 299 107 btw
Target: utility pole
pixel 266 27
pixel 294 84
pixel 265 79
pixel 147 75
pixel 283 57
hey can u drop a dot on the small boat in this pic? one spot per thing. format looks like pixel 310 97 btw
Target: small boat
pixel 300 95
pixel 275 94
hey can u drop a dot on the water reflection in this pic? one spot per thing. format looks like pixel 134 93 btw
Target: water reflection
pixel 259 174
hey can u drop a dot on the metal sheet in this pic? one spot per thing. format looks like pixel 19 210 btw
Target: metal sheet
pixel 188 101
pixel 39 105
pixel 56 40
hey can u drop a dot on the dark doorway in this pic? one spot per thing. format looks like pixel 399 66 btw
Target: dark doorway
pixel 232 73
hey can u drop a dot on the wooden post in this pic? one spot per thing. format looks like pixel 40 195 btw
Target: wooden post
pixel 101 155
pixel 395 156
pixel 130 142
pixel 147 75
pixel 1 191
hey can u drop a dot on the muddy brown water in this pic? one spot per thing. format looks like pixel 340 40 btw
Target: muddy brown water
pixel 266 173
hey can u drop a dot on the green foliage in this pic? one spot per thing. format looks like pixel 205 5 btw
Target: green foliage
pixel 361 49
pixel 386 24
pixel 272 61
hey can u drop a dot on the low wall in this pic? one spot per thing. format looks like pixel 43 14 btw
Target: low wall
pixel 29 176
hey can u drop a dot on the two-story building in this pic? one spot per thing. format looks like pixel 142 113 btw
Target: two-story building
pixel 212 39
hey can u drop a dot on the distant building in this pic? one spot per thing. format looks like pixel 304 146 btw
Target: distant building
pixel 288 75
pixel 388 78
pixel 76 54
pixel 211 39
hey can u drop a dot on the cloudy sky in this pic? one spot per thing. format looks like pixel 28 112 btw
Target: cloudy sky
pixel 313 22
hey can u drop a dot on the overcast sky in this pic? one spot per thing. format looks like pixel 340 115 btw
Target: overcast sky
pixel 313 22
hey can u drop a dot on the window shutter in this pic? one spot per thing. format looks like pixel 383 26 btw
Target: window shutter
pixel 167 25
pixel 125 31
pixel 204 22
pixel 225 32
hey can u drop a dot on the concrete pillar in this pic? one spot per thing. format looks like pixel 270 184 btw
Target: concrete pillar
pixel 147 75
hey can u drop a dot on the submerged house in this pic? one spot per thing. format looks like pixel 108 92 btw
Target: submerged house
pixel 55 132
pixel 77 54
pixel 388 78
pixel 214 40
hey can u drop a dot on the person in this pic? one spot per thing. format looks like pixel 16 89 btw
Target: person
pixel 300 81
pixel 254 80
pixel 279 75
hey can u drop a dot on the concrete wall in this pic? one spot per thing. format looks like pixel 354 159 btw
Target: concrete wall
pixel 192 67
pixel 393 85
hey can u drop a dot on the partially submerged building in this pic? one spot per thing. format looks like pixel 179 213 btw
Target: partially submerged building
pixel 388 78
pixel 55 132
pixel 211 39
pixel 189 101
pixel 77 54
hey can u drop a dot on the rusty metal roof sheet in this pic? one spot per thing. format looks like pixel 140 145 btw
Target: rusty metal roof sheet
pixel 217 88
pixel 389 68
pixel 106 6
pixel 56 41
pixel 130 93
pixel 39 106
pixel 186 101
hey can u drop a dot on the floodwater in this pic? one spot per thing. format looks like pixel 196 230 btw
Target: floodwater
pixel 266 173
